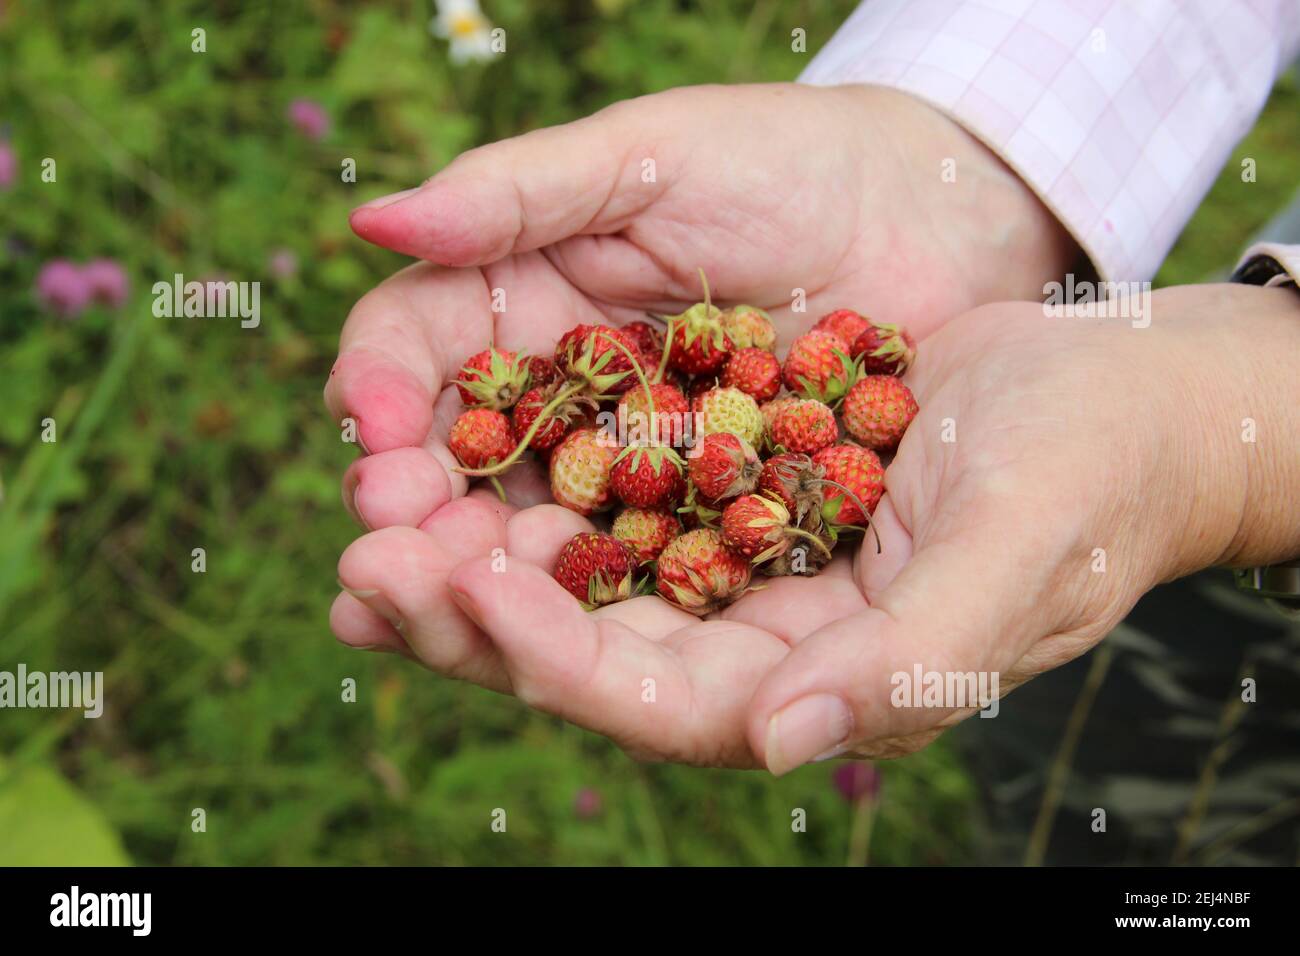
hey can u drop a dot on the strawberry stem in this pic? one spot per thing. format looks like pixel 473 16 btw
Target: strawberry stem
pixel 561 397
pixel 861 507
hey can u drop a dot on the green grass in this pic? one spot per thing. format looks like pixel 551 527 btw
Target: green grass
pixel 224 687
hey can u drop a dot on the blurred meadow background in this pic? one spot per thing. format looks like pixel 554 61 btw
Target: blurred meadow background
pixel 223 688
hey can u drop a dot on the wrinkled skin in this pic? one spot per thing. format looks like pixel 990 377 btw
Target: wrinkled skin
pixel 997 521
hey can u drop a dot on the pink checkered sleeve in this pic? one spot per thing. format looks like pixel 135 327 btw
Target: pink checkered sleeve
pixel 1118 114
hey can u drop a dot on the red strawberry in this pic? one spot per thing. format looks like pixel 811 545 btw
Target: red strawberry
pixel 597 569
pixel 724 466
pixel 846 324
pixel 551 432
pixel 859 471
pixel 795 480
pixel 580 471
pixel 494 378
pixel 649 340
pixel 480 437
pixel 760 528
pixel 884 349
pixel 648 477
pixel 542 371
pixel 755 372
pixel 818 366
pixel 878 410
pixel 671 422
pixel 697 344
pixel 805 426
pixel 645 532
pixel 698 573
pixel 591 353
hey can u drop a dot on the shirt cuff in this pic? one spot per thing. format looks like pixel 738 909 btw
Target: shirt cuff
pixel 1118 116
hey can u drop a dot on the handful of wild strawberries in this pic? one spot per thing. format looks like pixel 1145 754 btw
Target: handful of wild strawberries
pixel 715 471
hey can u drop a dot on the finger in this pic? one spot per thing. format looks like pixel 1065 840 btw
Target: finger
pixel 358 627
pixel 401 574
pixel 398 487
pixel 522 193
pixel 401 342
pixel 794 607
pixel 682 699
pixel 875 570
pixel 962 605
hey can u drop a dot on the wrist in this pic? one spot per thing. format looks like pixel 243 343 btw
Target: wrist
pixel 1240 418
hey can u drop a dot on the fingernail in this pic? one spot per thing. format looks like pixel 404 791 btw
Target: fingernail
pixel 810 728
pixel 388 200
pixel 375 600
pixel 356 509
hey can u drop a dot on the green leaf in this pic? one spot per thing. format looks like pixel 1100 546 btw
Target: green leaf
pixel 47 822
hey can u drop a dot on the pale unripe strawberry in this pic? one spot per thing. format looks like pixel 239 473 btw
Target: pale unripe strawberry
pixel 805 426
pixel 645 531
pixel 877 411
pixel 748 327
pixel 580 469
pixel 700 574
pixel 731 410
pixel 597 569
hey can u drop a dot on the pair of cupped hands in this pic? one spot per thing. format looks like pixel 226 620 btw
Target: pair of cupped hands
pixel 1041 442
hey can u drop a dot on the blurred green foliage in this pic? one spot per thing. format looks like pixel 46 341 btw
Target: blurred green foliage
pixel 224 688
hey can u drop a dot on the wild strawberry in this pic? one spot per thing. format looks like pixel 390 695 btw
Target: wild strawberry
pixel 645 532
pixel 878 410
pixel 697 344
pixel 699 574
pixel 795 480
pixel 648 477
pixel 805 426
pixel 580 471
pixel 481 437
pixel 818 366
pixel 494 378
pixel 724 467
pixel 730 410
pixel 855 480
pixel 755 372
pixel 597 569
pixel 699 511
pixel 552 431
pixel 884 349
pixel 748 327
pixel 541 371
pixel 592 354
pixel 649 341
pixel 671 423
pixel 760 528
pixel 773 408
pixel 846 324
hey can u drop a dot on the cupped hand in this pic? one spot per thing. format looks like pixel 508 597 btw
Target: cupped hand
pixel 1057 470
pixel 838 193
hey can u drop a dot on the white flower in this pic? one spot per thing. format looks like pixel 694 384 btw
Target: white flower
pixel 463 23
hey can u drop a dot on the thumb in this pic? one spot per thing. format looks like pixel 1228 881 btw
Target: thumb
pixel 520 194
pixel 963 608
